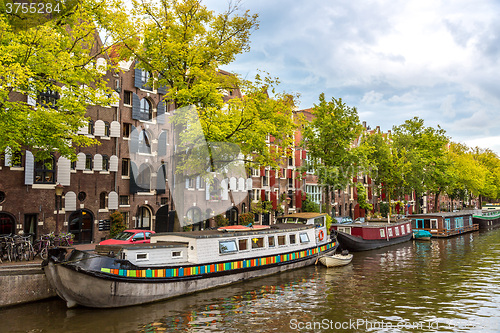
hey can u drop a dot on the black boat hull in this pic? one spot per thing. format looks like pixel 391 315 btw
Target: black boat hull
pixel 356 244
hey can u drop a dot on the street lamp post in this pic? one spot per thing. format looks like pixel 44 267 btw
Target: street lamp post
pixel 59 192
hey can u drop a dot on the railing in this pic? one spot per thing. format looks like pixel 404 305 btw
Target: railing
pixel 439 232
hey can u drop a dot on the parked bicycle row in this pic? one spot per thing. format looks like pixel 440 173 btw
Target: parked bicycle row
pixel 22 247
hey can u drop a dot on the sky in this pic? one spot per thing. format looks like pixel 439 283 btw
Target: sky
pixel 392 60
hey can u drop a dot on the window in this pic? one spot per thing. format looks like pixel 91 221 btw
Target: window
pixel 148 235
pixel 304 238
pixel 124 200
pixel 389 232
pixel 382 233
pixel 292 238
pixel 141 256
pixel 106 129
pixel 290 161
pixel 227 246
pixel 143 218
pixel 255 172
pixel 146 108
pixel 257 242
pixel 281 240
pixel 48 99
pixel 44 171
pixel 176 254
pixel 163 201
pixel 105 163
pixel 127 97
pixel 88 162
pixel 144 178
pixel 73 165
pixel 126 129
pixel 144 143
pixel 434 224
pixel 145 75
pixel 138 237
pixel 290 182
pixel 91 127
pixel 2 196
pixel 102 200
pixel 396 230
pixel 243 244
pixel 125 167
pixel 270 241
pixel 265 178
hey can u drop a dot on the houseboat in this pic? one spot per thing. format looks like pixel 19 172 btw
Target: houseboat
pixel 487 218
pixel 179 263
pixel 444 224
pixel 371 235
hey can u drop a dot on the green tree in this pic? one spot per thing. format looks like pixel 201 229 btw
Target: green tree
pixel 58 56
pixel 422 150
pixel 329 140
pixel 310 206
pixel 117 224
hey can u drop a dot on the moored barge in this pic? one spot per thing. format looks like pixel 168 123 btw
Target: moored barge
pixel 175 264
pixel 487 218
pixel 445 224
pixel 371 235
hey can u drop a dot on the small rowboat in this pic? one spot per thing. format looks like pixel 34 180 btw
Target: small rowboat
pixel 336 260
pixel 423 235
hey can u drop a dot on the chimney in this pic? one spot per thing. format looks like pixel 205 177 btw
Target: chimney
pixel 364 124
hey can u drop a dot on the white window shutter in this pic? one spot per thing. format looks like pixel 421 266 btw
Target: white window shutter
pixel 31 101
pixel 249 184
pixel 63 171
pixel 99 128
pixel 116 99
pixel 29 168
pixel 207 192
pixel 241 184
pixel 113 200
pixel 113 163
pixel 70 201
pixel 8 158
pixel 98 162
pixel 225 192
pixel 115 129
pixel 187 182
pixel 197 182
pixel 80 163
pixel 101 65
pixel 232 183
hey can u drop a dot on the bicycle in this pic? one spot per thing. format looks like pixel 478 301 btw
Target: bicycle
pixel 41 246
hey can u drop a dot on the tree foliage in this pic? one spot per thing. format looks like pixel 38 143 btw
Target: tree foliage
pixel 58 56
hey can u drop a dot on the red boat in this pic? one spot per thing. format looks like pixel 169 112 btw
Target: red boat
pixel 371 235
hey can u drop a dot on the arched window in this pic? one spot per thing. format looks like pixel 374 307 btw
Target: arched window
pixel 102 200
pixel 146 108
pixel 88 162
pixel 143 218
pixel 144 143
pixel 45 171
pixel 91 127
pixel 105 163
pixel 193 215
pixel 144 178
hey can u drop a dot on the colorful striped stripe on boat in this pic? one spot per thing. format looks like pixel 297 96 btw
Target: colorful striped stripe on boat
pixel 213 268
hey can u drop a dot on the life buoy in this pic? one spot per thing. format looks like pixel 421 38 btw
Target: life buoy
pixel 321 235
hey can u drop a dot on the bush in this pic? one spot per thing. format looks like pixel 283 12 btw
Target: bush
pixel 117 224
pixel 247 218
pixel 384 209
pixel 221 220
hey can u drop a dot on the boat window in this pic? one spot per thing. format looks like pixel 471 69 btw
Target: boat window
pixel 257 242
pixel 304 238
pixel 301 220
pixel 292 238
pixel 382 233
pixel 318 221
pixel 270 241
pixel 397 231
pixel 176 254
pixel 434 224
pixel 408 228
pixel 227 246
pixel 389 232
pixel 243 244
pixel 142 256
pixel 281 240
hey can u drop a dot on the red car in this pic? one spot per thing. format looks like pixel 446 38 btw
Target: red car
pixel 131 236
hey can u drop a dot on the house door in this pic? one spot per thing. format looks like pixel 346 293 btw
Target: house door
pixel 81 225
pixel 162 221
pixel 7 224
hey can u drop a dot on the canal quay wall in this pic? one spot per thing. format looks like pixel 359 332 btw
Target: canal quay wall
pixel 23 284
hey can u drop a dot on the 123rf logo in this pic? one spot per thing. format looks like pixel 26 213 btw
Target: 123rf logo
pixel 26 14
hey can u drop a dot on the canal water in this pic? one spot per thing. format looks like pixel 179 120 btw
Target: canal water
pixel 445 285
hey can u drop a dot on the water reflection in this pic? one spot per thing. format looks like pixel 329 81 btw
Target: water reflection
pixel 446 285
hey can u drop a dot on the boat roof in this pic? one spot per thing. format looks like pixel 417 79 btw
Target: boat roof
pixel 274 228
pixel 302 215
pixel 444 214
pixel 369 224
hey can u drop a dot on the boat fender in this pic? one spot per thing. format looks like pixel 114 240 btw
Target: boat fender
pixel 321 235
